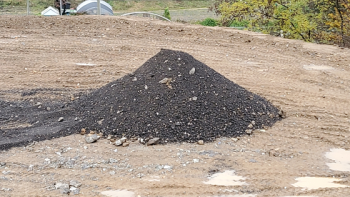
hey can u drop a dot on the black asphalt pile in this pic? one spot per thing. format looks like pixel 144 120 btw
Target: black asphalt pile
pixel 172 96
pixel 176 98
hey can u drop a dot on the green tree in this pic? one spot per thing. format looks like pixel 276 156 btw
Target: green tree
pixel 325 21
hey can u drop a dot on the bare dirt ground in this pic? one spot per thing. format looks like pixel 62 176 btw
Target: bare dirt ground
pixel 310 82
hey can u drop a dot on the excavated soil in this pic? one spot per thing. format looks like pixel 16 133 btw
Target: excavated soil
pixel 176 98
pixel 49 62
pixel 172 97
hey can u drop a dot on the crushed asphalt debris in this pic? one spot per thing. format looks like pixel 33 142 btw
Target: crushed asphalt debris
pixel 171 98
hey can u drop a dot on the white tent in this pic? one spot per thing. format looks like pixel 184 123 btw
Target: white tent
pixel 90 7
pixel 50 11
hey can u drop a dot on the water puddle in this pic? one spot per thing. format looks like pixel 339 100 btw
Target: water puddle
pixel 310 183
pixel 227 178
pixel 316 67
pixel 341 158
pixel 118 193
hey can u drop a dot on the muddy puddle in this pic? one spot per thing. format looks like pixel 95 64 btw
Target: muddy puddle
pixel 118 193
pixel 341 159
pixel 309 183
pixel 317 67
pixel 227 178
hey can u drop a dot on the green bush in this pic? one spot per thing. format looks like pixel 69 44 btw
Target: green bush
pixel 242 23
pixel 167 13
pixel 209 22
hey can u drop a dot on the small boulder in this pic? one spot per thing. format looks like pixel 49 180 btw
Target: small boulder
pixel 248 131
pixel 141 141
pixel 200 142
pixel 74 183
pixel 63 187
pixel 153 141
pixel 123 139
pixel 192 71
pixel 91 138
pixel 74 190
pixel 118 143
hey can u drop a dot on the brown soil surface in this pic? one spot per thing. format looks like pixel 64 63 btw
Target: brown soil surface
pixel 309 81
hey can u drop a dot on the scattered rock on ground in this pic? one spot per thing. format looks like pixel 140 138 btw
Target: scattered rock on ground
pixel 91 138
pixel 82 131
pixel 63 187
pixel 74 190
pixel 200 142
pixel 153 141
pixel 60 119
pixel 167 167
pixel 141 141
pixel 6 189
pixel 192 71
pixel 118 143
pixel 74 183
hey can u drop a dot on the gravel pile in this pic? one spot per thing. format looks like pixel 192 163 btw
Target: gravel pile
pixel 175 98
pixel 171 98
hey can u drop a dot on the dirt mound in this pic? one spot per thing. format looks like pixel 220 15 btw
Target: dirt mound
pixel 172 96
pixel 176 98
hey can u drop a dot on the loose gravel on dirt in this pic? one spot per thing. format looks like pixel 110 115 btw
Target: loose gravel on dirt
pixel 172 97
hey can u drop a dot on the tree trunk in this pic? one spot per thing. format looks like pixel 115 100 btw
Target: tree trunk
pixel 341 22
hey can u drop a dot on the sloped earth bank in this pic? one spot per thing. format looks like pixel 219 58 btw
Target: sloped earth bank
pixel 39 56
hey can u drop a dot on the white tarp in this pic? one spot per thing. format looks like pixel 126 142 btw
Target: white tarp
pixel 90 7
pixel 50 11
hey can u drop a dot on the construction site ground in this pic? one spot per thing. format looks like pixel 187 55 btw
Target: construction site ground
pixel 54 59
